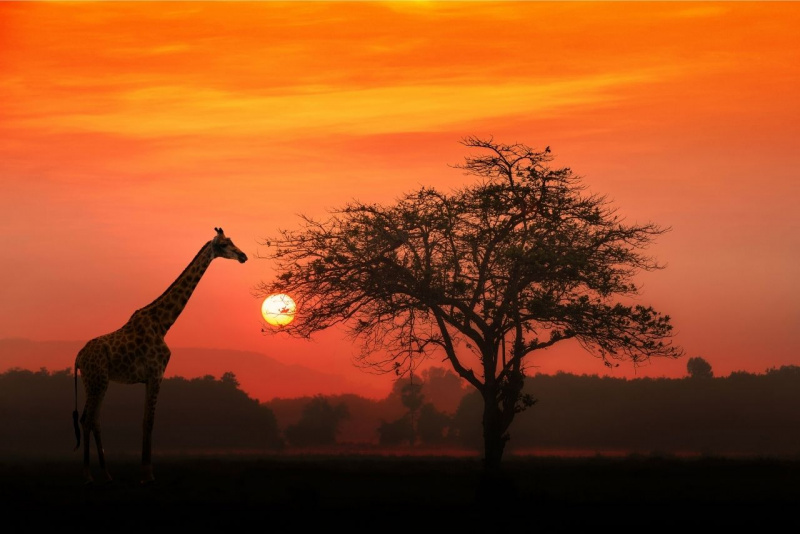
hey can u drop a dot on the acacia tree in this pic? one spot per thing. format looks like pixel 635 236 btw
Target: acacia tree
pixel 514 263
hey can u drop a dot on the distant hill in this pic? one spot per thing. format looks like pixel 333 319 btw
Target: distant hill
pixel 261 377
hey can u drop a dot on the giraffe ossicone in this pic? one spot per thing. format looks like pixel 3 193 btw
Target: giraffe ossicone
pixel 137 353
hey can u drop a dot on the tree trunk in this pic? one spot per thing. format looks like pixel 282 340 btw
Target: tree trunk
pixel 494 437
pixel 496 488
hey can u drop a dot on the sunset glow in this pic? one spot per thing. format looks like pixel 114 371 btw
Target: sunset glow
pixel 131 129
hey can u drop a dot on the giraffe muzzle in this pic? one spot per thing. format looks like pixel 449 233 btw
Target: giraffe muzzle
pixel 242 257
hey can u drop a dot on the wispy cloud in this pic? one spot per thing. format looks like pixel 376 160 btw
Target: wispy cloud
pixel 158 111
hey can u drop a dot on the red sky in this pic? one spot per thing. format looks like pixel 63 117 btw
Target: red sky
pixel 128 131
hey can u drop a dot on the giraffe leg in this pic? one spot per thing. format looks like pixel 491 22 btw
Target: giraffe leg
pixel 153 387
pixel 101 456
pixel 90 421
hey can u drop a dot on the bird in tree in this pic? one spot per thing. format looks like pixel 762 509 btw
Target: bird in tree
pixel 483 276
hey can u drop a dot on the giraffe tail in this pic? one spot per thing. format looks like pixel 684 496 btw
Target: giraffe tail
pixel 75 412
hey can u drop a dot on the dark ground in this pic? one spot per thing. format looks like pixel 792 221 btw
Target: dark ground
pixel 356 493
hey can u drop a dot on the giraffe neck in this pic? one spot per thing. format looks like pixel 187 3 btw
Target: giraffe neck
pixel 165 310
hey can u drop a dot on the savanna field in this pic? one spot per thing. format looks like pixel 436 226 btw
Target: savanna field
pixel 373 493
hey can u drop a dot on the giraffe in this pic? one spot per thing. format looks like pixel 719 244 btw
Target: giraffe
pixel 136 353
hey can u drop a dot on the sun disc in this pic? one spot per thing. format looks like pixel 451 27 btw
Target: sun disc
pixel 278 309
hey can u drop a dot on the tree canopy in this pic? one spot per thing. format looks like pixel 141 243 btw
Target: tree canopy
pixel 524 256
pixel 698 367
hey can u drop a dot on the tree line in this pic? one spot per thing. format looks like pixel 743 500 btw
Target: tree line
pixel 741 414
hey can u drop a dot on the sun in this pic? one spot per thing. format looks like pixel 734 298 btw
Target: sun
pixel 278 309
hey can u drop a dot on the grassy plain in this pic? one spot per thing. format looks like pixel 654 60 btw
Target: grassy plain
pixel 377 494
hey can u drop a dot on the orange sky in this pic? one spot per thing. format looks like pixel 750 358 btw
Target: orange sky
pixel 128 131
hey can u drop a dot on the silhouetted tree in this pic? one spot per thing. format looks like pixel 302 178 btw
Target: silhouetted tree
pixel 699 368
pixel 318 425
pixel 412 398
pixel 230 379
pixel 791 372
pixel 515 263
pixel 206 413
pixel 433 425
pixel 404 429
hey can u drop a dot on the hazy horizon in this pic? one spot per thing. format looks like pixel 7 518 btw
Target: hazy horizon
pixel 261 376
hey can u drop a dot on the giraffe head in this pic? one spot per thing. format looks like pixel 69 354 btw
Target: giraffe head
pixel 224 248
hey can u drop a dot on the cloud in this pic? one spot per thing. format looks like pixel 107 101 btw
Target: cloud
pixel 174 110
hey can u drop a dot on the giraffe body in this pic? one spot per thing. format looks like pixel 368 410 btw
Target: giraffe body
pixel 136 353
